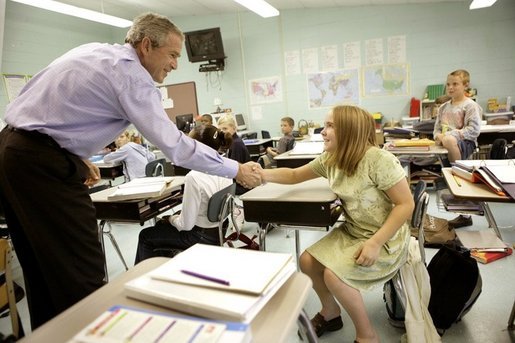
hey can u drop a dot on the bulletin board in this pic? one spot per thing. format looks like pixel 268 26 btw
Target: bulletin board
pixel 180 98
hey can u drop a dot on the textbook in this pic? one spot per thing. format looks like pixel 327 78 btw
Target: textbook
pixel 484 240
pixel 141 188
pixel 489 256
pixel 215 282
pixel 413 143
pixel 452 203
pixel 122 324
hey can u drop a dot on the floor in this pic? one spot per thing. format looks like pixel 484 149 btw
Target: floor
pixel 486 322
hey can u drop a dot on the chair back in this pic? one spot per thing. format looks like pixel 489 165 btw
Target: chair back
pixel 265 134
pixel 421 199
pixel 155 168
pixel 220 209
pixel 318 130
pixel 7 290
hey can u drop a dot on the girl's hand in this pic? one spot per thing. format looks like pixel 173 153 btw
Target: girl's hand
pixel 367 254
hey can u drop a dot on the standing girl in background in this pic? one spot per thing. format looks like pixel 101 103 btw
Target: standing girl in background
pixel 371 245
pixel 133 156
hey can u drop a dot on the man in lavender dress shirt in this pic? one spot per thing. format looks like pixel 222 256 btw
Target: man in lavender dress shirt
pixel 66 113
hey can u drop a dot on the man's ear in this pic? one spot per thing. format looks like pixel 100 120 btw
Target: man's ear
pixel 146 45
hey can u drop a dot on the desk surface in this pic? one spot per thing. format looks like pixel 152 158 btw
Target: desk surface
pixel 257 141
pixel 497 128
pixel 474 191
pixel 316 190
pixel 273 324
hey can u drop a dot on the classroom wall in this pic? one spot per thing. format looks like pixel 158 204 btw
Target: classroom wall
pixel 440 38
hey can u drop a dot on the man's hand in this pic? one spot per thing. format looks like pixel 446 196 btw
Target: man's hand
pixel 248 175
pixel 94 173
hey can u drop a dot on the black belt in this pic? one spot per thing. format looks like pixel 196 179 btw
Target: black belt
pixel 35 135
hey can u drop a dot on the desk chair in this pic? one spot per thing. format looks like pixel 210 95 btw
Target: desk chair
pixel 155 168
pixel 265 134
pixel 220 208
pixel 393 286
pixel 10 292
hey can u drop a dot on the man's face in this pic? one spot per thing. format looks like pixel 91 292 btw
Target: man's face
pixel 162 60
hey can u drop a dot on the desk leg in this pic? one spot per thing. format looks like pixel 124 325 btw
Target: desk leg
pixel 491 220
pixel 306 328
pixel 107 232
pixel 263 227
pixel 511 320
pixel 102 244
pixel 297 247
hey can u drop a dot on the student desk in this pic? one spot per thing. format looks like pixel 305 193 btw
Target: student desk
pixel 462 188
pixel 434 151
pixel 310 204
pixel 304 152
pixel 258 147
pixel 273 324
pixel 480 192
pixel 489 133
pixel 132 210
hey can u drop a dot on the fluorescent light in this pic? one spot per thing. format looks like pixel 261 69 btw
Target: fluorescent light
pixel 260 7
pixel 77 12
pixel 481 4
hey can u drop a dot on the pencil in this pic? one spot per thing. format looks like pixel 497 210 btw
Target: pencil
pixel 206 277
pixel 457 181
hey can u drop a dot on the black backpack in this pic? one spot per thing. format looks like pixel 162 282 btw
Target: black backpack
pixel 455 285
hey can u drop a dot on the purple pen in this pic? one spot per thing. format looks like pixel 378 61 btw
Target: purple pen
pixel 205 277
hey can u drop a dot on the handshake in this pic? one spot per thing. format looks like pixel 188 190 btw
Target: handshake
pixel 250 175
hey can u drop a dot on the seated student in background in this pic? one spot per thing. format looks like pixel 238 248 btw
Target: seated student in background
pixel 133 156
pixel 286 141
pixel 458 125
pixel 238 151
pixel 458 121
pixel 191 226
pixel 206 119
pixel 372 244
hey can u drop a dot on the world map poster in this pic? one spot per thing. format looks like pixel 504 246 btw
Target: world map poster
pixel 332 88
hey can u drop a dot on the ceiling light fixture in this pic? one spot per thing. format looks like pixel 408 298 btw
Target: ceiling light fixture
pixel 77 12
pixel 481 4
pixel 260 7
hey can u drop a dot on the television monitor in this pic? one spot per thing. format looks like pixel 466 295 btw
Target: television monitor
pixel 184 121
pixel 204 45
pixel 240 122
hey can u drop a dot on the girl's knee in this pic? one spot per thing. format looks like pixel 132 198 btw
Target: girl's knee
pixel 306 261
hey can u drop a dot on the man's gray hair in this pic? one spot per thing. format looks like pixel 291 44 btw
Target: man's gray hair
pixel 151 25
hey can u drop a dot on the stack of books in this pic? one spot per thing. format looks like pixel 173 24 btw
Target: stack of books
pixel 142 188
pixel 215 282
pixel 453 204
pixel 409 145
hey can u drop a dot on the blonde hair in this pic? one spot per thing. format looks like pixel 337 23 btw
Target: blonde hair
pixel 463 75
pixel 355 133
pixel 227 119
pixel 154 26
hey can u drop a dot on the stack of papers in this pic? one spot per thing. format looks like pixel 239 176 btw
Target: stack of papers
pixel 215 282
pixel 142 188
pixel 125 324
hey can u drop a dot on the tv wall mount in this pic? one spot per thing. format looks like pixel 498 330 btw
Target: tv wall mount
pixel 212 65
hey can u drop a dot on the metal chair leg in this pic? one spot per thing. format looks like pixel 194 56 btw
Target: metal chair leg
pixel 115 244
pixel 102 244
pixel 511 324
pixel 306 329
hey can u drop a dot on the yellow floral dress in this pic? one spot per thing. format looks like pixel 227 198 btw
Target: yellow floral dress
pixel 366 207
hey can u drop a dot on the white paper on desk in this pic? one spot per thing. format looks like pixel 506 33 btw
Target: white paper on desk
pixel 483 239
pixel 505 174
pixel 247 271
pixel 206 302
pixel 308 148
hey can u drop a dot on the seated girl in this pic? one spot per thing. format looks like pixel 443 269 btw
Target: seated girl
pixel 191 226
pixel 371 245
pixel 133 156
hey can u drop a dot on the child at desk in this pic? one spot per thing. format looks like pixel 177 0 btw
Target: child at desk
pixel 237 151
pixel 458 121
pixel 371 245
pixel 191 226
pixel 133 156
pixel 285 143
